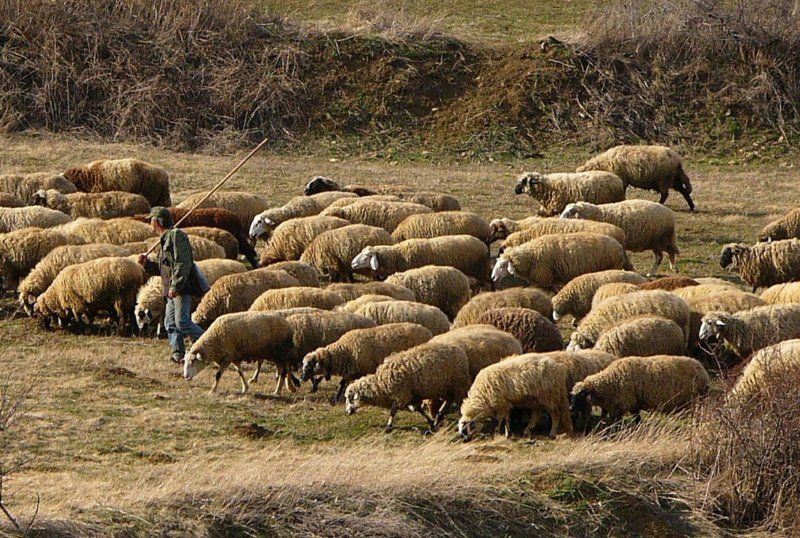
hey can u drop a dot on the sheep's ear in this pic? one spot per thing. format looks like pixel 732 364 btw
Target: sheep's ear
pixel 373 262
pixel 720 323
pixel 510 268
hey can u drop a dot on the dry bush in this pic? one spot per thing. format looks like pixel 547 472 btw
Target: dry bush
pixel 393 22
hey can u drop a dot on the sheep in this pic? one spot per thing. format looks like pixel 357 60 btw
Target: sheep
pixel 236 338
pixel 46 270
pixel 703 291
pixel 647 225
pixel 643 337
pixel 555 191
pixel 463 252
pixel 355 304
pixel 714 280
pixel 406 311
pixel 331 252
pixel 8 199
pixel 202 248
pixel 437 202
pixel 24 185
pixel 296 297
pixel 778 362
pixel 242 204
pixel 217 218
pixel 324 199
pixel 265 222
pixel 337 205
pixel 503 227
pixel 437 372
pixel 235 293
pixel 575 298
pixel 21 250
pixel 484 345
pixel 320 184
pixel 221 237
pixel 662 383
pixel 428 225
pixel 551 261
pixel 150 304
pixel 359 352
pixel 17 218
pixel 129 175
pixel 727 300
pixel 446 288
pixel 562 226
pixel 103 205
pixel 612 289
pixel 306 274
pixel 763 264
pixel 523 381
pixel 532 298
pixel 386 215
pixel 782 293
pixel 616 309
pixel 349 292
pixel 669 283
pixel 291 238
pixel 653 168
pixel 786 227
pixel 747 331
pixel 96 286
pixel 114 231
pixel 535 332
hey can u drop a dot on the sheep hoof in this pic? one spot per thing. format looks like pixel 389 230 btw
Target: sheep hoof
pixel 427 433
pixel 388 429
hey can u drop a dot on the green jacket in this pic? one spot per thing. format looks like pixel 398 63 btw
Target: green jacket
pixel 175 263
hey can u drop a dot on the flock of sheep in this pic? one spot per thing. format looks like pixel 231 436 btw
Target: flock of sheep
pixel 395 294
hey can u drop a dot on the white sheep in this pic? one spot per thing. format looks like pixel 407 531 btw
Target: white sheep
pixel 555 191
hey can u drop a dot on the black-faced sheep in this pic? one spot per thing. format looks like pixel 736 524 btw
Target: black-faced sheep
pixel 555 191
pixel 24 185
pixel 382 214
pixel 428 225
pixel 562 226
pixel 575 298
pixel 291 238
pixel 349 292
pixel 643 337
pixel 21 250
pixel 764 264
pixel 532 298
pixel 786 227
pixel 384 312
pixel 242 204
pixel 320 184
pixel 331 252
pixel 129 175
pixel 535 332
pixel 17 218
pixel 103 205
pixel 750 330
pixel 446 288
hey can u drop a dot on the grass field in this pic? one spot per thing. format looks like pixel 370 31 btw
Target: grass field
pixel 120 443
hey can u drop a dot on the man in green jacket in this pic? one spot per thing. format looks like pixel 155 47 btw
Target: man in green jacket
pixel 181 280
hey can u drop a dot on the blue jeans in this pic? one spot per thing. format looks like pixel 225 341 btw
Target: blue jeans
pixel 178 322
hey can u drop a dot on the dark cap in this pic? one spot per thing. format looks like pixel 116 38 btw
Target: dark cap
pixel 162 214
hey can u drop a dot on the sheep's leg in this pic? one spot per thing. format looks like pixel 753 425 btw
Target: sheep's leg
pixel 241 376
pixel 505 420
pixel 279 385
pixel 339 393
pixel 217 377
pixel 441 412
pixel 426 415
pixel 292 383
pixel 254 378
pixel 664 195
pixel 659 258
pixel 392 413
pixel 672 262
pixel 686 195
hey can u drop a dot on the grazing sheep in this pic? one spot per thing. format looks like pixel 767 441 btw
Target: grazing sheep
pixel 612 289
pixel 337 205
pixel 359 352
pixel 265 222
pixel 428 225
pixel 24 185
pixel 662 383
pixel 669 283
pixel 114 231
pixel 296 297
pixel 763 264
pixel 782 293
pixel 386 215
pixel 525 381
pixel 575 298
pixel 551 261
pixel 778 362
pixel 221 237
pixel 647 225
pixel 446 288
pixel 320 184
pixel 652 168
pixel 532 298
pixel 10 200
pixel 306 274
pixel 291 238
pixel 104 285
pixel 235 293
pixel 436 372
pixel 643 337
pixel 503 227
pixel 331 252
pixel 129 175
pixel 484 345
pixel 202 248
pixel 786 227
pixel 237 338
pixel 21 250
pixel 555 191
pixel 17 218
pixel 703 291
pixel 616 309
pixel 103 205
pixel 324 199
pixel 463 252
pixel 349 292
pixel 242 204
pixel 358 302
pixel 216 218
pixel 727 300
pixel 535 332
pixel 562 226
pixel 747 331
pixel 434 200
pixel 384 312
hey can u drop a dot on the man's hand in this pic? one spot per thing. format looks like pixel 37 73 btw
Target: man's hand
pixel 172 294
pixel 142 259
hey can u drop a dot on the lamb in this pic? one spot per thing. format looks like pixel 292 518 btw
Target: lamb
pixel 575 298
pixel 242 204
pixel 484 345
pixel 386 215
pixel 320 184
pixel 532 298
pixel 331 252
pixel 782 293
pixel 296 297
pixel 437 202
pixel 17 218
pixel 562 226
pixel 237 338
pixel 436 372
pixel 654 168
pixel 616 309
pixel 103 205
pixel 535 332
pixel 21 250
pixel 503 227
pixel 291 238
pixel 8 199
pixel 662 383
pixel 406 311
pixel 463 252
pixel 669 283
pixel 527 381
pixel 355 304
pixel 114 231
pixel 612 289
pixel 748 331
pixel 647 225
pixel 265 222
pixel 129 175
pixel 348 292
pixel 359 352
pixel 778 362
pixel 763 264
pixel 306 274
pixel 446 288
pixel 428 225
pixel 555 191
pixel 551 261
pixel 96 286
pixel 24 185
pixel 221 237
pixel 786 227
pixel 644 336
pixel 235 293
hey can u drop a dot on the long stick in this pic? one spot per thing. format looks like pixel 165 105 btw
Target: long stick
pixel 216 187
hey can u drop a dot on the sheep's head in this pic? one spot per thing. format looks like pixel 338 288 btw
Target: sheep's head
pixel 502 268
pixel 578 341
pixel 143 317
pixel 712 326
pixel 467 427
pixel 499 229
pixel 28 302
pixel 527 183
pixel 321 184
pixel 731 253
pixel 580 398
pixel 193 364
pixel 314 369
pixel 39 198
pixel 261 225
pixel 572 211
pixel 352 398
pixel 773 232
pixel 366 259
